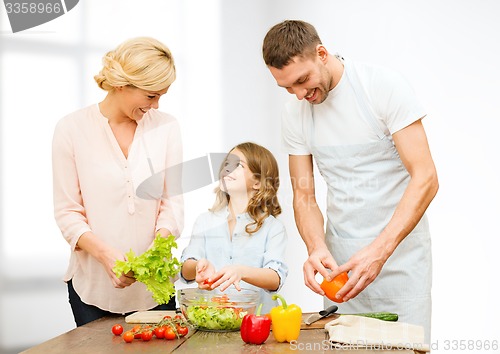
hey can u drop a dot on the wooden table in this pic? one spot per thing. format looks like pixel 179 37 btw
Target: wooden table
pixel 96 338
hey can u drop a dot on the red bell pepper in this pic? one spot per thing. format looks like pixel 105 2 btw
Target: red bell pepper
pixel 255 328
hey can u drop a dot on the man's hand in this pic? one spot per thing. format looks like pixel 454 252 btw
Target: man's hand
pixel 319 261
pixel 363 267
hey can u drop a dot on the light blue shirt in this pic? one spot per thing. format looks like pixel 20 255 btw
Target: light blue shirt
pixel 264 249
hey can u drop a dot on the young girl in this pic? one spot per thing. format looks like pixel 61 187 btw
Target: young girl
pixel 239 241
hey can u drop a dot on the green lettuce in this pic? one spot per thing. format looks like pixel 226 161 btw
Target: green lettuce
pixel 215 318
pixel 155 268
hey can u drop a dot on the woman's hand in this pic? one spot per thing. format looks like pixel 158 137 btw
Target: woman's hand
pixel 108 260
pixel 105 255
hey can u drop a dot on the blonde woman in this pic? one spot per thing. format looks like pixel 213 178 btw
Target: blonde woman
pixel 239 241
pixel 110 191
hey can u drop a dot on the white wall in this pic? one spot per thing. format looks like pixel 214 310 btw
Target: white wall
pixel 225 95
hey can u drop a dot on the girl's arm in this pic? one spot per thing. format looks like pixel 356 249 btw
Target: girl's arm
pixel 188 269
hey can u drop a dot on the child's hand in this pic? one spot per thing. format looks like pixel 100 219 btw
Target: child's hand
pixel 228 275
pixel 204 270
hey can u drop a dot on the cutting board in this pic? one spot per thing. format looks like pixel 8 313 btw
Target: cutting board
pixel 318 324
pixel 151 316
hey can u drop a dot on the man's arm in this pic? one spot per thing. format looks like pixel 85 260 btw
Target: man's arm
pixel 365 265
pixel 309 220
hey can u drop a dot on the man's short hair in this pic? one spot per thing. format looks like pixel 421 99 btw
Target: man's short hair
pixel 289 39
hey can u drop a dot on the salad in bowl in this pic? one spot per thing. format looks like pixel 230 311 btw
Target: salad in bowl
pixel 215 310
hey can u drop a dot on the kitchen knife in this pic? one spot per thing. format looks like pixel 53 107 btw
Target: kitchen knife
pixel 322 314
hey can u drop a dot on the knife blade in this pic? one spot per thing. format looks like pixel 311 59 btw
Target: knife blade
pixel 322 314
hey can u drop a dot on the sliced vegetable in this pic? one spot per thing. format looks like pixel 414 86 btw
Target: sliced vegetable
pixel 215 318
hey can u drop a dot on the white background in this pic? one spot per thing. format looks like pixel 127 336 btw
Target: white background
pixel 225 95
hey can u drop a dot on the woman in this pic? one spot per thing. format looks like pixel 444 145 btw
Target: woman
pixel 110 191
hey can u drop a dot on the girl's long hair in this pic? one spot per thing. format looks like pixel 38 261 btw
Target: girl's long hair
pixel 264 202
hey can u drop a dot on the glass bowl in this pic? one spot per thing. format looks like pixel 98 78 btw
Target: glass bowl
pixel 215 310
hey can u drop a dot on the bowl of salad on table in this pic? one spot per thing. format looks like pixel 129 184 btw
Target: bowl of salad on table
pixel 215 310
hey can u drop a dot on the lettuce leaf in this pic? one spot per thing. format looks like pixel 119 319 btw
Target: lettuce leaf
pixel 155 268
pixel 215 318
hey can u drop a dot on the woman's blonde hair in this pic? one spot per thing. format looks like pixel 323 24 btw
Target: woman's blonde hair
pixel 264 202
pixel 142 62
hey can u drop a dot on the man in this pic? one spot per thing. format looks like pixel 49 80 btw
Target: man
pixel 362 124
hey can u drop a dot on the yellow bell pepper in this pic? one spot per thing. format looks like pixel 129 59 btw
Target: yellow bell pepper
pixel 286 320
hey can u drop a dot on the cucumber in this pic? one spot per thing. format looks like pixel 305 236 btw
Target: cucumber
pixel 384 316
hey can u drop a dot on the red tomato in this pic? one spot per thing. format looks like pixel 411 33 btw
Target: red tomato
pixel 147 335
pixel 117 329
pixel 223 299
pixel 128 336
pixel 209 283
pixel 170 333
pixel 160 332
pixel 167 317
pixel 137 331
pixel 332 287
pixel 178 317
pixel 182 331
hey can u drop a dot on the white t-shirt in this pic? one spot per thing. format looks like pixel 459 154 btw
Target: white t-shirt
pixel 338 120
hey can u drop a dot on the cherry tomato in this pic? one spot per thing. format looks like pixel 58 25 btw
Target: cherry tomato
pixel 332 287
pixel 209 283
pixel 128 336
pixel 182 331
pixel 170 333
pixel 178 317
pixel 146 335
pixel 117 329
pixel 167 317
pixel 137 331
pixel 160 332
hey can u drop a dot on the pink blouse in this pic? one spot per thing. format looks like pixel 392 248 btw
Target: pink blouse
pixel 121 200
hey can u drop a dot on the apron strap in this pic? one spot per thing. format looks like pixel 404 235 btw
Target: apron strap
pixel 362 98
